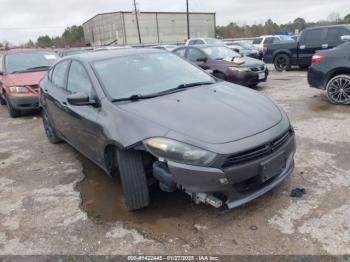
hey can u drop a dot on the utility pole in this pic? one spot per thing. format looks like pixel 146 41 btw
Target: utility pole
pixel 137 22
pixel 188 21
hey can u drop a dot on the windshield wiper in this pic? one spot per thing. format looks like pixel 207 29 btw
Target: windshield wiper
pixel 38 68
pixel 135 98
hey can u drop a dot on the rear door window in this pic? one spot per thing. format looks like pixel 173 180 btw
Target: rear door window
pixel 314 35
pixel 334 35
pixel 257 41
pixel 269 40
pixel 181 52
pixel 194 54
pixel 59 74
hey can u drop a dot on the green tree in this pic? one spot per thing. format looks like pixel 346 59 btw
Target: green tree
pixel 347 18
pixel 299 23
pixel 73 35
pixel 44 41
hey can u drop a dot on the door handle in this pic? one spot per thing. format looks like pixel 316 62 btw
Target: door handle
pixel 325 46
pixel 64 103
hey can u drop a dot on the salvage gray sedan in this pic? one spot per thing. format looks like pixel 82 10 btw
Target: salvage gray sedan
pixel 149 115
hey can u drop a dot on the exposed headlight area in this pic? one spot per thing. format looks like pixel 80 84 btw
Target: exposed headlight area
pixel 239 69
pixel 19 90
pixel 171 150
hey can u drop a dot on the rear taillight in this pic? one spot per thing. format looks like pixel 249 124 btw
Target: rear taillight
pixel 317 58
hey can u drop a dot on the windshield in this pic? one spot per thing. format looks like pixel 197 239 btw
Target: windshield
pixel 220 52
pixel 257 41
pixel 146 74
pixel 247 45
pixel 30 61
pixel 212 41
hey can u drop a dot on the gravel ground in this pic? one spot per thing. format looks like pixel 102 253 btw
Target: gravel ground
pixel 54 201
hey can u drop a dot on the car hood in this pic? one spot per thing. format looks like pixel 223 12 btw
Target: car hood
pixel 24 79
pixel 214 114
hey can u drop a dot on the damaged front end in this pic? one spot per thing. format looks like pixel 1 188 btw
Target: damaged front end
pixel 231 180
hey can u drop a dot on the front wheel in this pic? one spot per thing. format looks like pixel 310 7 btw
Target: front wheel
pixel 12 111
pixel 338 90
pixel 282 62
pixel 49 130
pixel 2 100
pixel 133 178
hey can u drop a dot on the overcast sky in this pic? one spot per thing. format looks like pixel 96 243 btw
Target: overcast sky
pixel 21 20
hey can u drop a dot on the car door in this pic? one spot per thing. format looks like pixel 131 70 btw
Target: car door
pixel 82 119
pixel 310 42
pixel 333 37
pixel 55 96
pixel 197 57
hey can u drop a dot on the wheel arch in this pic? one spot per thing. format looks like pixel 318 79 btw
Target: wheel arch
pixel 335 72
pixel 280 52
pixel 109 156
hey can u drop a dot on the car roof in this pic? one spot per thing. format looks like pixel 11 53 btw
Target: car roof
pixel 106 54
pixel 27 50
pixel 328 26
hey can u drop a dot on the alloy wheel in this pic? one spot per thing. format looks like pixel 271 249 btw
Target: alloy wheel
pixel 338 90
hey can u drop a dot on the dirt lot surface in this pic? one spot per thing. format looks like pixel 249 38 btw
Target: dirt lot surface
pixel 54 201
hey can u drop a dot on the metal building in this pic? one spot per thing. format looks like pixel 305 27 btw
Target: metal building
pixel 156 27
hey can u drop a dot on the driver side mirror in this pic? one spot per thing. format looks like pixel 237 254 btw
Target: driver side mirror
pixel 202 59
pixel 80 99
pixel 345 38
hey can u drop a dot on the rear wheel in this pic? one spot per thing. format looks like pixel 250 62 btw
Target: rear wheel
pixel 282 62
pixel 338 90
pixel 49 130
pixel 133 178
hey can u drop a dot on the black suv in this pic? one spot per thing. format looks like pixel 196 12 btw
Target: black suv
pixel 286 54
pixel 330 71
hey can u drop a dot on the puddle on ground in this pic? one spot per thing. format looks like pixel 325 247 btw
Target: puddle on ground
pixel 170 215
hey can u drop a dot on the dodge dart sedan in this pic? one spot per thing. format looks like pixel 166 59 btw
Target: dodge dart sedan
pixel 149 115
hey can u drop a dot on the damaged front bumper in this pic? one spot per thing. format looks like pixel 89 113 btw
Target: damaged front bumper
pixel 238 183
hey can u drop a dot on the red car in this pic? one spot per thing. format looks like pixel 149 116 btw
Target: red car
pixel 20 73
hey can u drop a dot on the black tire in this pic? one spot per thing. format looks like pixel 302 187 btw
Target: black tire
pixel 49 130
pixel 338 90
pixel 2 100
pixel 282 62
pixel 12 111
pixel 220 76
pixel 133 178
